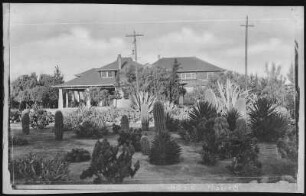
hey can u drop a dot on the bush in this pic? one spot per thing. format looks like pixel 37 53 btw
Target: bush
pixel 232 116
pixel 116 128
pixel 107 166
pixel 77 155
pixel 89 129
pixel 171 124
pixel 40 118
pixel 145 145
pixel 284 167
pixel 202 109
pixel 208 158
pixel 15 116
pixel 35 169
pixel 266 123
pixel 17 141
pixel 288 145
pixel 132 137
pixel 164 150
pixel 125 124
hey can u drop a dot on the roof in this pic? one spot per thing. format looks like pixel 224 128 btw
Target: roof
pixel 92 77
pixel 188 64
pixel 125 61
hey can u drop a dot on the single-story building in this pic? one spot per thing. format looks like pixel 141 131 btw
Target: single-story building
pixel 104 77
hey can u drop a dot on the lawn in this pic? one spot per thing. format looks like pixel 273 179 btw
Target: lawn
pixel 189 170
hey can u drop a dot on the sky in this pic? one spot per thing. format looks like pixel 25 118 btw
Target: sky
pixel 78 37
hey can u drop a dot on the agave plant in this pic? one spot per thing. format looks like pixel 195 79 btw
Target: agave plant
pixel 140 98
pixel 202 109
pixel 229 95
pixel 232 116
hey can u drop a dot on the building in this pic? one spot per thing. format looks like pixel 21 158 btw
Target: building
pixel 106 77
pixel 192 72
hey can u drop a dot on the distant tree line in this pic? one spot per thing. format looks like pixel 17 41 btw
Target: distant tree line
pixel 29 89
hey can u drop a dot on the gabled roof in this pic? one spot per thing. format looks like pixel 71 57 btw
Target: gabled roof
pixel 188 64
pixel 92 76
pixel 124 61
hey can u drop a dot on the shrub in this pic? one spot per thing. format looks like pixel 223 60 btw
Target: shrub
pixel 231 116
pixel 77 155
pixel 40 118
pixel 164 150
pixel 171 124
pixel 58 125
pixel 15 116
pixel 266 123
pixel 116 128
pixel 287 146
pixel 145 145
pixel 107 166
pixel 124 124
pixel 132 137
pixel 25 123
pixel 284 167
pixel 244 151
pixel 17 141
pixel 35 169
pixel 159 117
pixel 202 109
pixel 89 129
pixel 208 158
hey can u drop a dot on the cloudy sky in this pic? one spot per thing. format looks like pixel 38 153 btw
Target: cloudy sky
pixel 80 37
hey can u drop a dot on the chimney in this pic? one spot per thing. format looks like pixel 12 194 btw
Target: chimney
pixel 119 61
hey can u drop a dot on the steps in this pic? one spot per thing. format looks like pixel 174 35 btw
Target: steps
pixel 268 151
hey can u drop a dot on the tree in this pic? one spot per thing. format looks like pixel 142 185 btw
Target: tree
pixel 174 82
pixel 290 74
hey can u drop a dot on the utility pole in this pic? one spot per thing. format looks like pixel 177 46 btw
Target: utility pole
pixel 134 35
pixel 246 50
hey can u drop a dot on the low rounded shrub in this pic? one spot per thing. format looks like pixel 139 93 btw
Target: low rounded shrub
pixel 78 155
pixel 164 150
pixel 17 141
pixel 132 137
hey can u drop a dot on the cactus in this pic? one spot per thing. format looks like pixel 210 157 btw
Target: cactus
pixel 145 145
pixel 159 117
pixel 58 125
pixel 110 166
pixel 25 123
pixel 144 117
pixel 125 127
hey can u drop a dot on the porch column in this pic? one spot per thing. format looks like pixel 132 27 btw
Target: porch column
pixel 88 98
pixel 72 97
pixel 66 99
pixel 60 98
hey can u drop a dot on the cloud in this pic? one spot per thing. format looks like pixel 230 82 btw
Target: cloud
pixel 74 52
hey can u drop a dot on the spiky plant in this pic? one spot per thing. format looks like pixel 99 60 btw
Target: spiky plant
pixel 59 125
pixel 125 127
pixel 25 121
pixel 232 116
pixel 202 109
pixel 159 117
pixel 164 150
pixel 267 125
pixel 140 98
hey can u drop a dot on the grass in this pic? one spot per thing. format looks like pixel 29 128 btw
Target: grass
pixel 189 170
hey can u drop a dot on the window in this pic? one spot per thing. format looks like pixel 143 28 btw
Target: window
pixel 107 74
pixel 188 76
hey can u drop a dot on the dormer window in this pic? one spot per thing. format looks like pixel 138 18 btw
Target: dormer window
pixel 107 74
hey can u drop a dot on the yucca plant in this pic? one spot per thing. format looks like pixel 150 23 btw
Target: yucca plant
pixel 229 95
pixel 232 116
pixel 266 124
pixel 202 109
pixel 164 150
pixel 140 98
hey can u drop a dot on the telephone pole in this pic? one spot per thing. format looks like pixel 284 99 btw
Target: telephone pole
pixel 246 25
pixel 134 35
